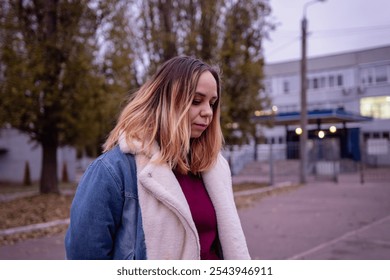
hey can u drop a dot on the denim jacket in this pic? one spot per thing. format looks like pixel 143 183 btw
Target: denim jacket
pixel 118 188
pixel 105 218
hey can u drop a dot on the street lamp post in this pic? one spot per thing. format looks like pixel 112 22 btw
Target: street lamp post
pixel 303 121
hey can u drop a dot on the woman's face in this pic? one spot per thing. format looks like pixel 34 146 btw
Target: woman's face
pixel 201 111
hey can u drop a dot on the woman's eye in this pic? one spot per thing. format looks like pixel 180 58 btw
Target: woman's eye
pixel 196 102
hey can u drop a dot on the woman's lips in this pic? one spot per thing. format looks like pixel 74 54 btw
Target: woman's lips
pixel 201 126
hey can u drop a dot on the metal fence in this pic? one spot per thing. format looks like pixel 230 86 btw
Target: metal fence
pixel 375 163
pixel 276 163
pixel 238 157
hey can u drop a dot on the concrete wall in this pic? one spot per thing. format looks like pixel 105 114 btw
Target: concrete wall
pixel 17 149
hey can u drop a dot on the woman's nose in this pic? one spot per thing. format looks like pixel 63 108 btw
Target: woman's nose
pixel 207 111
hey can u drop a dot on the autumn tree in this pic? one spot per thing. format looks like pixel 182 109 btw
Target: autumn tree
pixel 117 64
pixel 50 88
pixel 227 33
pixel 158 32
pixel 242 64
pixel 66 66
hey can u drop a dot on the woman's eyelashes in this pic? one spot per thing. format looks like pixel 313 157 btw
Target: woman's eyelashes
pixel 198 102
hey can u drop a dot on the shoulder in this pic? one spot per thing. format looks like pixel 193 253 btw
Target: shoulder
pixel 116 160
pixel 113 155
pixel 116 166
pixel 222 163
pixel 219 171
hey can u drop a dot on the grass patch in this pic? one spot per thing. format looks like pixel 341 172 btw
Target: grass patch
pixel 248 186
pixel 245 201
pixel 17 188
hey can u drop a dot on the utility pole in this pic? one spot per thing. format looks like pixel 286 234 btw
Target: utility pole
pixel 303 121
pixel 304 134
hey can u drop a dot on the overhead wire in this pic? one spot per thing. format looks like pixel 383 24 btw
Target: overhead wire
pixel 328 33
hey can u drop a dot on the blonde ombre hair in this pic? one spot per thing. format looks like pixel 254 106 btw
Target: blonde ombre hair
pixel 158 113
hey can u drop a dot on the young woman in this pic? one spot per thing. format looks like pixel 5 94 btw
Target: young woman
pixel 161 190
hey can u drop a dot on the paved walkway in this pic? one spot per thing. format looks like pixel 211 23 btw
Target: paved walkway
pixel 322 220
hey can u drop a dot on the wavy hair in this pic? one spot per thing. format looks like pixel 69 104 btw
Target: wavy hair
pixel 158 113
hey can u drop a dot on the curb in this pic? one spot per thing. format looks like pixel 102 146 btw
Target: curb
pixel 265 190
pixel 12 196
pixel 32 227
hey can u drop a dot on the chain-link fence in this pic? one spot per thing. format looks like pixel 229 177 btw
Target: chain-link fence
pixel 375 164
pixel 275 163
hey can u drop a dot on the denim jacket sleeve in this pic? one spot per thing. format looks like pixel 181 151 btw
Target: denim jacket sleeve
pixel 105 221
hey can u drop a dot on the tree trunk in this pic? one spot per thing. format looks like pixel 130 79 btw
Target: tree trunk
pixel 49 180
pixel 169 38
pixel 49 140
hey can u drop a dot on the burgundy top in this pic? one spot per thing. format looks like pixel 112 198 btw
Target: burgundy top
pixel 203 214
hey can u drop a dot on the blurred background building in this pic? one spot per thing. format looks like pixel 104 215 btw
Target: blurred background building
pixel 343 89
pixel 348 103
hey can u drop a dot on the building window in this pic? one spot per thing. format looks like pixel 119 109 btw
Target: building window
pixel 331 81
pixel 381 74
pixel 286 87
pixel 339 80
pixel 268 86
pixel 315 83
pixel 366 76
pixel 322 82
pixel 376 107
pixel 375 75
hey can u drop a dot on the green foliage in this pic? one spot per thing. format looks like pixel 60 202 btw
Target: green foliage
pixel 242 65
pixel 54 86
pixel 48 68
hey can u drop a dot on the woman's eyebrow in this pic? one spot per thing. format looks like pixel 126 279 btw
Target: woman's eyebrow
pixel 204 95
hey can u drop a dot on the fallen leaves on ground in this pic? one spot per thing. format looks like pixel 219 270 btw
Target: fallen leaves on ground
pixel 17 237
pixel 33 210
pixel 49 207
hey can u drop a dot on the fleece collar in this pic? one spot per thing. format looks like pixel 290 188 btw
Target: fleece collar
pixel 157 178
pixel 159 181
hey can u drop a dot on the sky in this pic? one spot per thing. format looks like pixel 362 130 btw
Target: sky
pixel 334 26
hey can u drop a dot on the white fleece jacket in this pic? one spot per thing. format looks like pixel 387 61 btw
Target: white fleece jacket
pixel 170 232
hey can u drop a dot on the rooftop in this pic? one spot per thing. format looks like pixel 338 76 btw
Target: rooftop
pixel 338 115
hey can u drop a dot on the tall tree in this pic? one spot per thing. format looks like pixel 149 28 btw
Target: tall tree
pixel 177 27
pixel 49 78
pixel 65 65
pixel 242 64
pixel 229 33
pixel 199 28
pixel 159 30
pixel 117 64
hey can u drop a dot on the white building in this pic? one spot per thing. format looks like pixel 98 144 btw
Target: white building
pixel 353 84
pixel 16 149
